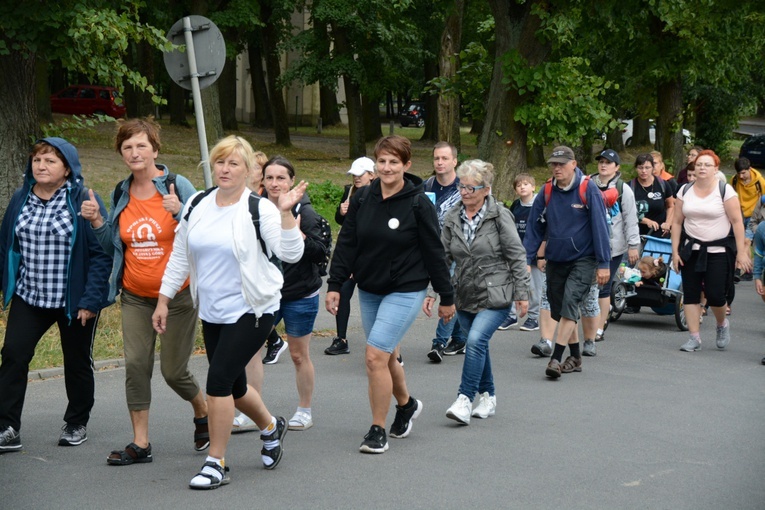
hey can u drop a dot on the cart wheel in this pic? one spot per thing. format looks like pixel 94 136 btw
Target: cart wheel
pixel 618 301
pixel 680 319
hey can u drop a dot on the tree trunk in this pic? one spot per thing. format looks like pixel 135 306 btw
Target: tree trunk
pixel 328 107
pixel 641 135
pixel 263 118
pixel 356 141
pixel 448 63
pixel 431 104
pixel 669 125
pixel 176 102
pixel 42 91
pixel 536 156
pixel 372 121
pixel 18 120
pixel 273 71
pixel 211 111
pixel 503 140
pixel 227 88
pixel 140 56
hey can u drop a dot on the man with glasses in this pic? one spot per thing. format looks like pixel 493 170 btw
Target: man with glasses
pixel 572 219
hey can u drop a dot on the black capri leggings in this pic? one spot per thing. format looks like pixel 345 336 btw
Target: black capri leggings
pixel 344 308
pixel 229 348
pixel 715 281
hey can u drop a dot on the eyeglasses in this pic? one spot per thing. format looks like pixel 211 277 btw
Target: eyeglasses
pixel 469 189
pixel 705 165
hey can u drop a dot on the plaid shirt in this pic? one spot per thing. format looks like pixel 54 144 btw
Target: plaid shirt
pixel 469 226
pixel 44 231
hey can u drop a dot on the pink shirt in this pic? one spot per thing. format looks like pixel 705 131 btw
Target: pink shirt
pixel 705 218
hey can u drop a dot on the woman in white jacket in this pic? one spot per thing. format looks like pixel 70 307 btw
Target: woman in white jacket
pixel 237 290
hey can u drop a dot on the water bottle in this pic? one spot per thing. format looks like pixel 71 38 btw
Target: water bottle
pixel 622 267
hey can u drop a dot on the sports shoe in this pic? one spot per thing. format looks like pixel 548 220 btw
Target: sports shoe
pixel 571 364
pixel 339 346
pixel 691 345
pixel 300 421
pixel 400 360
pixel 454 348
pixel 272 444
pixel 460 410
pixel 507 323
pixel 274 351
pixel 436 353
pixel 599 337
pixel 530 325
pixel 723 335
pixel 402 423
pixel 72 435
pixel 375 441
pixel 542 348
pixel 10 440
pixel 487 405
pixel 588 349
pixel 553 370
pixel 243 423
pixel 211 476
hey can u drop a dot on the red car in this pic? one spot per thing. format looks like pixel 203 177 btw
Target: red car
pixel 88 100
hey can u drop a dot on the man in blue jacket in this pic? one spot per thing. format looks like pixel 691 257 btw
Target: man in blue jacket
pixel 570 215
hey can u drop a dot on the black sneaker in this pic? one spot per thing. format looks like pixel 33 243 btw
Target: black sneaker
pixel 274 351
pixel 436 354
pixel 400 360
pixel 72 435
pixel 402 423
pixel 339 346
pixel 454 347
pixel 275 453
pixel 10 440
pixel 375 441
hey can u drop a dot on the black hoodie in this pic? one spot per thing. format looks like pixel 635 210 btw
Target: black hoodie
pixel 391 245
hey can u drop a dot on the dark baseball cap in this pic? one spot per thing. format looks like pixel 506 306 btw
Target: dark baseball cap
pixel 561 154
pixel 610 155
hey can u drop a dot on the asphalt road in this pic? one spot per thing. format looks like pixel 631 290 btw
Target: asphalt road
pixel 643 426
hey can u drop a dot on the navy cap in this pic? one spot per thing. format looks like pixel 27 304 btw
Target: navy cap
pixel 610 155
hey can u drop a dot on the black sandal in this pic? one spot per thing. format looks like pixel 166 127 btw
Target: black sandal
pixel 201 434
pixel 132 454
pixel 214 481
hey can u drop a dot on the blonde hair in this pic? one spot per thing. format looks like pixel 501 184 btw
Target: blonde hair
pixel 232 144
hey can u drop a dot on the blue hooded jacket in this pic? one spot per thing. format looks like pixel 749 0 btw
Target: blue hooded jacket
pixel 88 266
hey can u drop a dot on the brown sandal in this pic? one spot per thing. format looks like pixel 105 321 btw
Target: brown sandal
pixel 132 454
pixel 201 434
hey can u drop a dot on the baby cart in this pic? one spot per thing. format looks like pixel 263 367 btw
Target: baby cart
pixel 664 300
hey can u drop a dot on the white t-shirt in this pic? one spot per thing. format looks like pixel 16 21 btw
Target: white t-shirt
pixel 219 281
pixel 705 218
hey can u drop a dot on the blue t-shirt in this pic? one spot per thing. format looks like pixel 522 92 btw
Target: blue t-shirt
pixel 521 213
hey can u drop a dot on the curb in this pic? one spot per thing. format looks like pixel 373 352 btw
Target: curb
pixel 101 365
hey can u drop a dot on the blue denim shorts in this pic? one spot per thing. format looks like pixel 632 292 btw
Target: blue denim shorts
pixel 387 317
pixel 299 315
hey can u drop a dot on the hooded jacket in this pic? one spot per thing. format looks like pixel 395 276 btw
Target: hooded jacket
pixel 392 244
pixel 749 194
pixel 88 266
pixel 625 233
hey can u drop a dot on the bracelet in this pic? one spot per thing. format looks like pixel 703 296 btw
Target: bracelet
pixel 540 258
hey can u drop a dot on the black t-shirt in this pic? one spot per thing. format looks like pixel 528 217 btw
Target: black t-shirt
pixel 654 195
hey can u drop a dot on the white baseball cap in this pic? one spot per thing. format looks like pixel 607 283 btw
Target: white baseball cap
pixel 362 165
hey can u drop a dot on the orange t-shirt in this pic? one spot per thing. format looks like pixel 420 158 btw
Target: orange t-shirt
pixel 147 231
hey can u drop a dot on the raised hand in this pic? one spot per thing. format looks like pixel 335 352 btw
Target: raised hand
pixel 170 202
pixel 91 211
pixel 288 200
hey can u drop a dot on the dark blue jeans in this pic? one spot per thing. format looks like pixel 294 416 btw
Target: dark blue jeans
pixel 476 369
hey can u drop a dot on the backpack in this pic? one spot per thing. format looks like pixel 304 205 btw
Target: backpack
pixel 757 184
pixel 687 186
pixel 117 193
pixel 325 238
pixel 582 190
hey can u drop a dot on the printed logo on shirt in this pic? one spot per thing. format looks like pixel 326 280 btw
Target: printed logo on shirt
pixel 143 233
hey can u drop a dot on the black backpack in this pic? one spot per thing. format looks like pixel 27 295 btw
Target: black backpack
pixel 325 238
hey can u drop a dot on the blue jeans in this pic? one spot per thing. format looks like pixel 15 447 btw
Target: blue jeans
pixel 449 329
pixel 387 317
pixel 299 315
pixel 476 369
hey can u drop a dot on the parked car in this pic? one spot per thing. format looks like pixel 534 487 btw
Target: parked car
pixel 414 114
pixel 753 149
pixel 627 133
pixel 88 100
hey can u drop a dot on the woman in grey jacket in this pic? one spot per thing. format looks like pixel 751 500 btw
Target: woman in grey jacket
pixel 490 273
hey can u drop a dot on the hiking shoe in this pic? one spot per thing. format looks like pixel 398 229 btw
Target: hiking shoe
pixel 274 351
pixel 72 435
pixel 723 335
pixel 436 354
pixel 339 346
pixel 402 423
pixel 553 370
pixel 487 405
pixel 507 323
pixel 10 440
pixel 588 349
pixel 301 421
pixel 530 325
pixel 691 345
pixel 454 348
pixel 542 348
pixel 211 476
pixel 243 423
pixel 460 410
pixel 571 364
pixel 272 450
pixel 375 441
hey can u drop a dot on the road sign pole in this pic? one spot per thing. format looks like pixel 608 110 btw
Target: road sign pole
pixel 197 96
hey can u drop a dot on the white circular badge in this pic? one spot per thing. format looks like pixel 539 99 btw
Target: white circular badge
pixel 393 223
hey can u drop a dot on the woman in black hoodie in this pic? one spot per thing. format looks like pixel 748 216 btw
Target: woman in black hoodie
pixel 391 244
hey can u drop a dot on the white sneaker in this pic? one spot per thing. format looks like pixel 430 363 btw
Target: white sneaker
pixel 460 410
pixel 243 423
pixel 487 405
pixel 300 421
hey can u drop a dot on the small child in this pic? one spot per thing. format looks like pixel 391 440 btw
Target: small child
pixel 652 272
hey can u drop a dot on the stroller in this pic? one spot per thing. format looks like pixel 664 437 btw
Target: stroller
pixel 664 300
